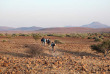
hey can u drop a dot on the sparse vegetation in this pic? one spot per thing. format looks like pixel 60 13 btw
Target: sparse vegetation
pixel 14 35
pixel 98 40
pixel 89 37
pixel 22 54
pixel 75 35
pixel 103 48
pixel 4 40
pixel 56 35
pixel 36 36
pixel 35 50
pixel 102 37
pixel 57 41
pixel 23 34
pixel 8 35
pixel 1 35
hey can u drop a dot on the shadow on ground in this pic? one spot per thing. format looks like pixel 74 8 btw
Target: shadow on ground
pixel 78 53
pixel 15 54
pixel 33 50
pixel 36 50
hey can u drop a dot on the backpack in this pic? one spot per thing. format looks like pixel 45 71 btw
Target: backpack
pixel 48 41
pixel 42 39
pixel 53 44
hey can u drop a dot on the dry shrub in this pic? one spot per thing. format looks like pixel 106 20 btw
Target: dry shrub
pixel 103 47
pixel 34 50
pixel 57 41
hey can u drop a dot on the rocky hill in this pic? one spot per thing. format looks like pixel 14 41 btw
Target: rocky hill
pixel 96 25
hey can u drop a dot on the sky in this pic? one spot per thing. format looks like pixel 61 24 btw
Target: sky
pixel 53 13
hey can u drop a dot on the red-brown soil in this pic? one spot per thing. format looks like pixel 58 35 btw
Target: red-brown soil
pixel 24 55
pixel 73 30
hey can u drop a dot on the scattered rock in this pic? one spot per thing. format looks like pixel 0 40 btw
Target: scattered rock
pixel 0 70
pixel 5 64
pixel 27 65
pixel 59 62
pixel 13 72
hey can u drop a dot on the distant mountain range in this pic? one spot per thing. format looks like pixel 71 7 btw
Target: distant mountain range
pixel 4 28
pixel 33 28
pixel 73 30
pixel 92 27
pixel 96 25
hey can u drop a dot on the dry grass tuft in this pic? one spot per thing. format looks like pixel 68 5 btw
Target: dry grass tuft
pixel 34 50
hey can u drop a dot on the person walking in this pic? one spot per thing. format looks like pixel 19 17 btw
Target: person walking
pixel 43 41
pixel 53 45
pixel 48 41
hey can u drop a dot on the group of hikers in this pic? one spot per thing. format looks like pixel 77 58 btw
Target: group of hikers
pixel 47 41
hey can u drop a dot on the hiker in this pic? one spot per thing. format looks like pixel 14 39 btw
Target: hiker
pixel 52 45
pixel 48 41
pixel 43 41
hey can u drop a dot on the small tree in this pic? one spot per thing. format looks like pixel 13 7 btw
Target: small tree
pixel 104 47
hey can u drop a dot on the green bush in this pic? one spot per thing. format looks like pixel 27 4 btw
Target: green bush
pixel 106 34
pixel 95 37
pixel 14 35
pixel 57 41
pixel 1 35
pixel 89 37
pixel 96 34
pixel 23 34
pixel 98 40
pixel 68 35
pixel 56 35
pixel 77 35
pixel 3 40
pixel 8 35
pixel 102 37
pixel 74 35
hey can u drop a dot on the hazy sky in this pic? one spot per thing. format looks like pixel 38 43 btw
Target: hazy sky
pixel 53 13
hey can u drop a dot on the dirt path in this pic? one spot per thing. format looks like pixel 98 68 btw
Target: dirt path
pixel 52 53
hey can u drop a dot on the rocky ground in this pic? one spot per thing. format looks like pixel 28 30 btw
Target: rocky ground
pixel 24 55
